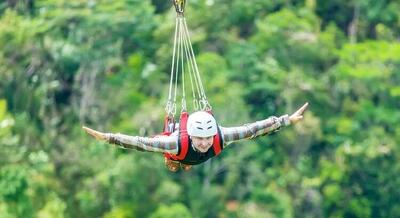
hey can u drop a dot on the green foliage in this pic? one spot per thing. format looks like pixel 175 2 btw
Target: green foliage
pixel 13 183
pixel 6 124
pixel 14 186
pixel 106 64
pixel 275 201
pixel 175 210
pixel 55 207
pixel 121 211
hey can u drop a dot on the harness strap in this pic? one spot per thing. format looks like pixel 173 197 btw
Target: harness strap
pixel 183 136
pixel 183 139
pixel 217 143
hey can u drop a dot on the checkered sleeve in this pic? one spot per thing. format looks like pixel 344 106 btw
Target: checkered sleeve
pixel 161 144
pixel 253 130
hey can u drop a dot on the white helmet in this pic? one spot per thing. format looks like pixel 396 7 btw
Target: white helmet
pixel 201 124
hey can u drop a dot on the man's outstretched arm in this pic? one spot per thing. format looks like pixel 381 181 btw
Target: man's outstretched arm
pixel 261 127
pixel 157 144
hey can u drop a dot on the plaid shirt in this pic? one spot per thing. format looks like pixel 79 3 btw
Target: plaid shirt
pixel 169 144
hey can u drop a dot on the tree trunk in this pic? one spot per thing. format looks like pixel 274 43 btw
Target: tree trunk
pixel 353 26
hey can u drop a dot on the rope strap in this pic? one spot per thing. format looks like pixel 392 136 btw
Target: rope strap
pixel 183 62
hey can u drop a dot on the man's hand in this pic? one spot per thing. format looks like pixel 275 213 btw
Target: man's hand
pixel 298 115
pixel 96 134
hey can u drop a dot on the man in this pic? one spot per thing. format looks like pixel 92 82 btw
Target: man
pixel 191 144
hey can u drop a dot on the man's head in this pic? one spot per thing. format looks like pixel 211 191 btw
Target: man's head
pixel 202 127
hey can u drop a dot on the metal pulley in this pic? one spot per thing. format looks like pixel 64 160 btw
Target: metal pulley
pixel 179 6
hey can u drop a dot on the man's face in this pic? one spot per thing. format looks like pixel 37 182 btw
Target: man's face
pixel 202 144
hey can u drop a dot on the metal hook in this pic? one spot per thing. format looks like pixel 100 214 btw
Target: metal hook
pixel 184 107
pixel 205 105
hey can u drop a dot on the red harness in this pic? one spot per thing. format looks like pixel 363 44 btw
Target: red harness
pixel 184 138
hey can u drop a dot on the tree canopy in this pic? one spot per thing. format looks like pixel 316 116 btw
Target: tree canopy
pixel 106 64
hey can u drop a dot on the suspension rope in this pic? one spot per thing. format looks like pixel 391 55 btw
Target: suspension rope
pixel 177 64
pixel 169 107
pixel 204 100
pixel 191 69
pixel 184 108
pixel 183 52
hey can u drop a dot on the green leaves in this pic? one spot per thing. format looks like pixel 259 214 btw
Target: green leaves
pixel 175 210
pixel 13 183
pixel 369 60
pixel 107 63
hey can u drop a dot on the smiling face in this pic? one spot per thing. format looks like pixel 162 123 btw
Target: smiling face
pixel 202 144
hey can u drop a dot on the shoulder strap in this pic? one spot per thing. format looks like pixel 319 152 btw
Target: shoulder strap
pixel 217 144
pixel 183 136
pixel 183 139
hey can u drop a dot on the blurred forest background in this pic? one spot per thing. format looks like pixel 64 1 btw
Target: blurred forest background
pixel 106 64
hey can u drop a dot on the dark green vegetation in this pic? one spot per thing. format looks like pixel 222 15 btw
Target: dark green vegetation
pixel 106 64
